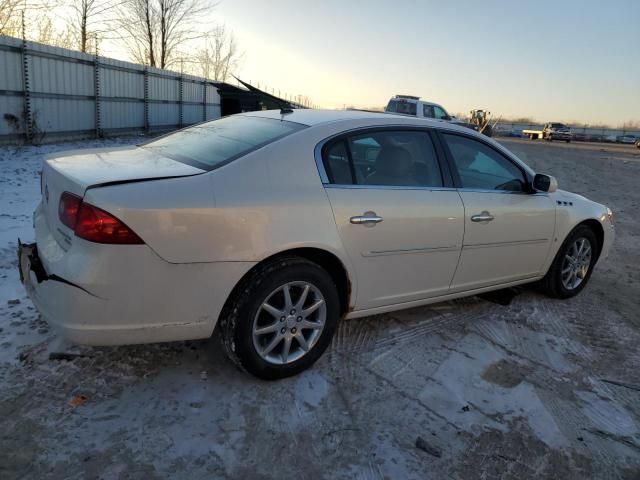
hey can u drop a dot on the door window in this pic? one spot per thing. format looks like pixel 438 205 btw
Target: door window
pixel 427 111
pixel 386 158
pixel 439 113
pixel 481 167
pixel 337 164
pixel 407 108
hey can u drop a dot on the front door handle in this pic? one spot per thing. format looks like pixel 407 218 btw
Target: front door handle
pixel 368 219
pixel 482 217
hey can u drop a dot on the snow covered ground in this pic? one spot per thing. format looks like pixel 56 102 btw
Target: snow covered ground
pixel 465 389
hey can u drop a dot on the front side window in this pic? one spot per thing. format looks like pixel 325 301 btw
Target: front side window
pixel 439 113
pixel 384 158
pixel 212 144
pixel 427 111
pixel 481 167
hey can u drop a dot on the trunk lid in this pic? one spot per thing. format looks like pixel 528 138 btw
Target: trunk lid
pixel 76 171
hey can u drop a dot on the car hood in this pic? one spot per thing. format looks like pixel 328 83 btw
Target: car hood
pixel 86 168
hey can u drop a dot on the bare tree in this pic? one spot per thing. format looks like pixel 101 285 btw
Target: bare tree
pixel 88 19
pixel 10 23
pixel 137 20
pixel 46 33
pixel 153 30
pixel 219 56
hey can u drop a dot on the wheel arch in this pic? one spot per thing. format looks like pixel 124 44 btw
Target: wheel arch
pixel 597 229
pixel 324 258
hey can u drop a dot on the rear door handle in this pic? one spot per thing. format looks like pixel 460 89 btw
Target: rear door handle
pixel 368 219
pixel 482 217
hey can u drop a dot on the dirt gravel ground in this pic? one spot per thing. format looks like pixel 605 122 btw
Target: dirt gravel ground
pixel 466 390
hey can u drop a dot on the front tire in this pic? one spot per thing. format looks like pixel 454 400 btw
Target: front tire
pixel 572 267
pixel 281 318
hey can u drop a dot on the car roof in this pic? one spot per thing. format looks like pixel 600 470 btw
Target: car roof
pixel 311 117
pixel 365 119
pixel 416 101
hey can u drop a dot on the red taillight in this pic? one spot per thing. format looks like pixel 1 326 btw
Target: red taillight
pixel 94 224
pixel 68 209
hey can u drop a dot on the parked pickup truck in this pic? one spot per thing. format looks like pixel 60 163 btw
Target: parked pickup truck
pixel 551 131
pixel 413 106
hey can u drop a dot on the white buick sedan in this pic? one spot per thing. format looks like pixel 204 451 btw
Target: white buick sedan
pixel 275 225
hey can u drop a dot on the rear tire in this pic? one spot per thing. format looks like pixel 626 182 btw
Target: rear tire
pixel 266 331
pixel 559 281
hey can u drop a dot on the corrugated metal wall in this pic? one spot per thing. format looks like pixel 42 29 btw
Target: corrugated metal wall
pixel 51 93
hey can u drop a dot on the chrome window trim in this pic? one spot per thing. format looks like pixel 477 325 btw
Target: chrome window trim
pixel 384 187
pixel 480 190
pixel 317 151
pixel 441 189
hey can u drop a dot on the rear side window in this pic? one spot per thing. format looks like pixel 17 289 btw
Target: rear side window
pixel 384 158
pixel 337 164
pixel 213 144
pixel 401 106
pixel 481 167
pixel 407 108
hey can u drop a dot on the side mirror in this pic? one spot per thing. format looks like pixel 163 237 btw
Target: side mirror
pixel 545 183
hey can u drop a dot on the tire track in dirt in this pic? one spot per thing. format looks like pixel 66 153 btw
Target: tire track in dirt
pixel 562 321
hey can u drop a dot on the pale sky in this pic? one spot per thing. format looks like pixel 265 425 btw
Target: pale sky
pixel 573 60
pixel 563 60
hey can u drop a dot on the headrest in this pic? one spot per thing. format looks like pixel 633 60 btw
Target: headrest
pixel 393 161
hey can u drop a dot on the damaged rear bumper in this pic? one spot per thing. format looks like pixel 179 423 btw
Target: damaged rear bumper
pixel 29 263
pixel 99 294
pixel 60 302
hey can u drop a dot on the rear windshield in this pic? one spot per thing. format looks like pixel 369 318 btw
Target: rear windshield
pixel 213 144
pixel 402 106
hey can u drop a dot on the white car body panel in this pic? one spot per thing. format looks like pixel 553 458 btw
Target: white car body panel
pixel 203 231
pixel 115 294
pixel 430 241
pixel 99 166
pixel 511 247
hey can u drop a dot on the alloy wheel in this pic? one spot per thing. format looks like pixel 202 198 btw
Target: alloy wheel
pixel 289 322
pixel 576 263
